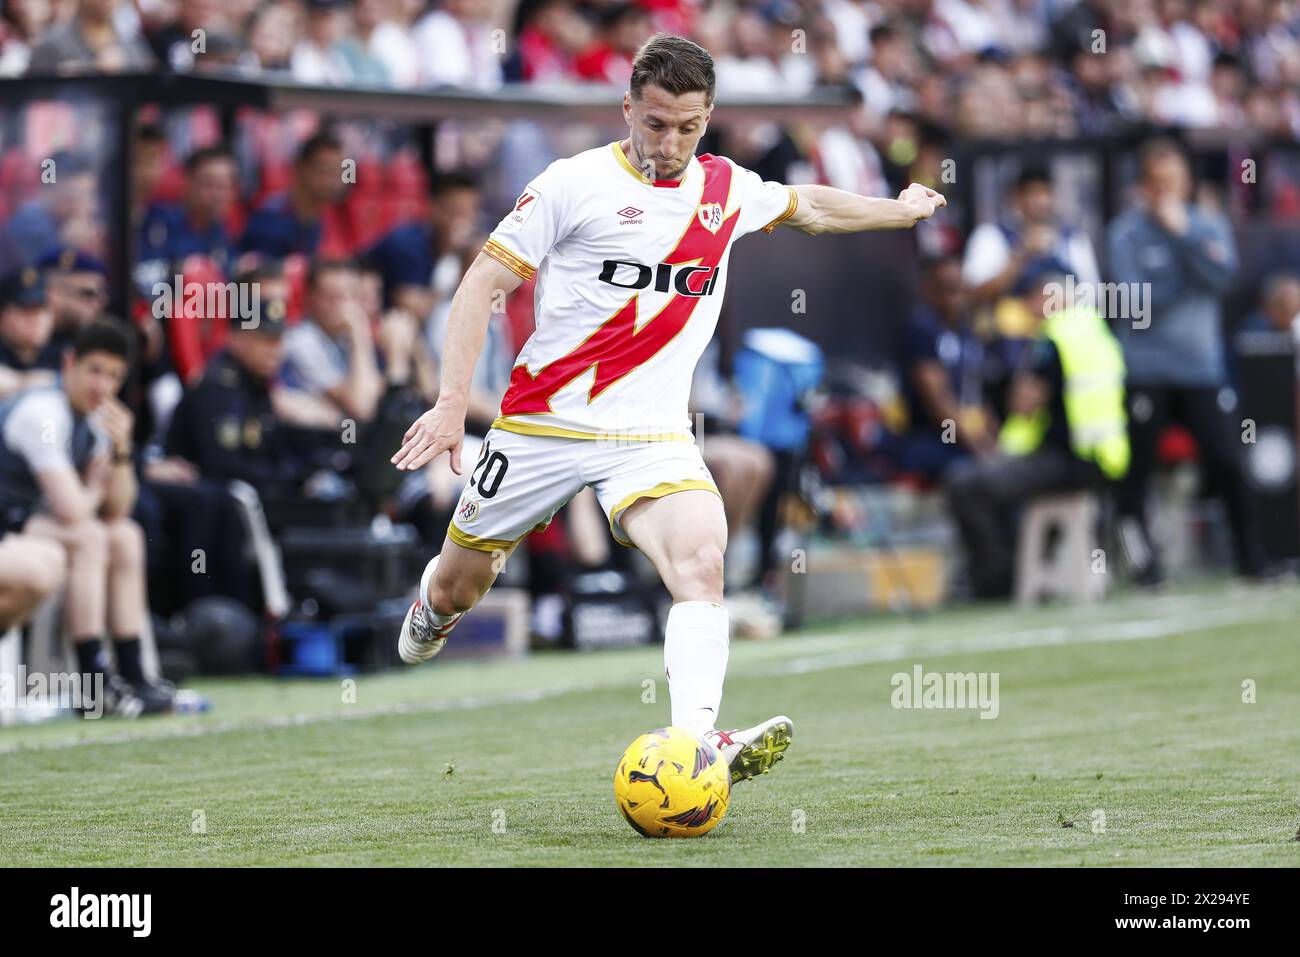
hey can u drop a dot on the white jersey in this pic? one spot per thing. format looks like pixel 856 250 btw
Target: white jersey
pixel 630 278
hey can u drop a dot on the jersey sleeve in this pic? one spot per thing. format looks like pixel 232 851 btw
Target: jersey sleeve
pixel 763 204
pixel 535 224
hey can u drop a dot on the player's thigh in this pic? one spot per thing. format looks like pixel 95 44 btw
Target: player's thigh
pixel 514 487
pixel 661 498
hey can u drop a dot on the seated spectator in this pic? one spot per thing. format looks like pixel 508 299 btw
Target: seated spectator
pixel 226 426
pixel 93 41
pixel 76 289
pixel 623 28
pixel 31 569
pixel 455 46
pixel 422 263
pixel 331 366
pixel 22 24
pixel 997 253
pixel 319 57
pixel 1065 431
pixel 1279 305
pixel 64 212
pixel 78 490
pixel 943 379
pixel 291 222
pixel 196 225
pixel 27 356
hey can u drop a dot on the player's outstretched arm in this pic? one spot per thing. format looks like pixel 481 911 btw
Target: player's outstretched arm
pixel 486 284
pixel 824 209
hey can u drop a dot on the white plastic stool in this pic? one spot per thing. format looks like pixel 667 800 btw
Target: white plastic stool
pixel 1068 571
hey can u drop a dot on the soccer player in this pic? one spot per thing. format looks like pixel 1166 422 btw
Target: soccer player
pixel 629 243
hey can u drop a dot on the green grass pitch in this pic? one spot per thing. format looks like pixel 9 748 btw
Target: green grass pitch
pixel 1134 709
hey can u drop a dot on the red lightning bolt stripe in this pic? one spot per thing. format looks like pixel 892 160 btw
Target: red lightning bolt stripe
pixel 617 347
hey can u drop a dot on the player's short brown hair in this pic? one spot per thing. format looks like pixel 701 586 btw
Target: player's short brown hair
pixel 674 64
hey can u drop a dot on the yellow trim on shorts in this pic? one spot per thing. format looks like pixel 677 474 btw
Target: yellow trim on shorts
pixel 506 424
pixel 466 540
pixel 510 259
pixel 659 491
pixel 791 205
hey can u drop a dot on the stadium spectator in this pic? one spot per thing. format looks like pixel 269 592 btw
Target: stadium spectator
pixel 331 366
pixel 226 425
pixel 550 39
pixel 1185 259
pixel 27 356
pixel 1046 444
pixel 382 40
pixel 78 490
pixel 196 225
pixel 943 379
pixel 421 263
pixel 456 47
pixel 273 31
pixel 997 253
pixel 94 40
pixel 1279 305
pixel 320 58
pixel 623 28
pixel 886 82
pixel 176 42
pixel 291 222
pixel 65 212
pixel 77 291
pixel 22 23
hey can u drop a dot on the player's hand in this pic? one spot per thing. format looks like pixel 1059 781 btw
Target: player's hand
pixel 439 430
pixel 921 201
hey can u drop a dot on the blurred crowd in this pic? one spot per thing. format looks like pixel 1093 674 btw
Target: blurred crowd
pixel 291 389
pixel 970 68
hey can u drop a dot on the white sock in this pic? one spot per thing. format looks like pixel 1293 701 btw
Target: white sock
pixel 695 660
pixel 440 620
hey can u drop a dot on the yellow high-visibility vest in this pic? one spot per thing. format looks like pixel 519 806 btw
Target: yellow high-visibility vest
pixel 1092 362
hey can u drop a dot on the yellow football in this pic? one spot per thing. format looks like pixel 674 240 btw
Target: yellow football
pixel 669 783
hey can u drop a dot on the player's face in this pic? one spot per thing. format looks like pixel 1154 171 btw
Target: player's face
pixel 665 128
pixel 93 379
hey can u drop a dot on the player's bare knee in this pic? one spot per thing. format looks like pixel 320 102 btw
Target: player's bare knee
pixel 696 574
pixel 455 595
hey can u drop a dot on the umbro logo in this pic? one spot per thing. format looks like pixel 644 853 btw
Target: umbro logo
pixel 629 214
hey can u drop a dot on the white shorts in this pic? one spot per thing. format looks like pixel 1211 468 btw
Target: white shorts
pixel 520 481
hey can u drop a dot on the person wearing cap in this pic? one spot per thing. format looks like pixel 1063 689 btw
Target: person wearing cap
pixel 226 425
pixel 1065 428
pixel 76 289
pixel 67 476
pixel 27 356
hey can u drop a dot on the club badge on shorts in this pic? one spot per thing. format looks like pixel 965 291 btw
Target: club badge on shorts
pixel 468 512
pixel 710 216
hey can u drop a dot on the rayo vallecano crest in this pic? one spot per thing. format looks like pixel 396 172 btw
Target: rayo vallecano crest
pixel 710 216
